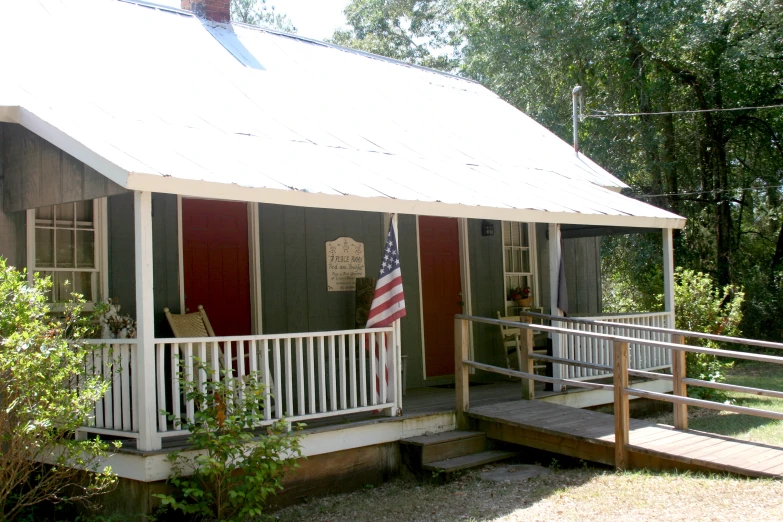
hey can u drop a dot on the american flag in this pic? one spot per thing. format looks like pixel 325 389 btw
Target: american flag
pixel 388 303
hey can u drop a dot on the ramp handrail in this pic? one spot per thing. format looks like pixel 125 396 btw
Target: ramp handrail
pixel 657 329
pixel 620 373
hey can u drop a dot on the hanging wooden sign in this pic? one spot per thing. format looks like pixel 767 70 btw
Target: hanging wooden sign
pixel 344 263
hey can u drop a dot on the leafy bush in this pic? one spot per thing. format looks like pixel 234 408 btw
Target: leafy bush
pixel 45 397
pixel 233 471
pixel 701 306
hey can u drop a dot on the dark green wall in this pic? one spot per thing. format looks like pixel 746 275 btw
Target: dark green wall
pixel 410 325
pixel 165 263
pixel 36 173
pixel 293 272
pixel 13 234
pixel 486 281
pixel 293 266
pixel 583 272
pixel 583 275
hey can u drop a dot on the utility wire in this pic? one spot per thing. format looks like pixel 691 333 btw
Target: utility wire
pixel 604 114
pixel 697 193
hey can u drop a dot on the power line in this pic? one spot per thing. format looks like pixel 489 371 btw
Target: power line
pixel 604 114
pixel 700 192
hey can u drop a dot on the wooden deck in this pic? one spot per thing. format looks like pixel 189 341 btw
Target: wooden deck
pixel 589 435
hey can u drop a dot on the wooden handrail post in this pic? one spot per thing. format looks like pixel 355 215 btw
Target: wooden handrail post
pixel 526 362
pixel 679 388
pixel 621 407
pixel 461 372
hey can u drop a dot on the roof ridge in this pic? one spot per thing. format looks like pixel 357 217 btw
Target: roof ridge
pixel 160 7
pixel 366 54
pixel 285 34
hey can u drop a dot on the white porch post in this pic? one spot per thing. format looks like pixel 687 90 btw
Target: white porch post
pixel 668 273
pixel 145 329
pixel 554 280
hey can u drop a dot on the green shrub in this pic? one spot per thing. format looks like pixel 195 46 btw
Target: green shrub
pixel 42 357
pixel 701 306
pixel 233 470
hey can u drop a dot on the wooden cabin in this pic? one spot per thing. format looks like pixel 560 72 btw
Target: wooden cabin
pixel 168 161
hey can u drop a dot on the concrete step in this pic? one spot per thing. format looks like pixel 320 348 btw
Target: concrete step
pixel 468 461
pixel 444 446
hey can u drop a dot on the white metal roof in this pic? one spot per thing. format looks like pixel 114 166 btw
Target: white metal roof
pixel 159 100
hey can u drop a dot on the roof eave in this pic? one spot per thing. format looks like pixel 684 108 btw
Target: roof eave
pixel 59 138
pixel 214 190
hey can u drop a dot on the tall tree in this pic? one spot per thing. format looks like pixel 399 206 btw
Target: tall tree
pixel 256 12
pixel 722 170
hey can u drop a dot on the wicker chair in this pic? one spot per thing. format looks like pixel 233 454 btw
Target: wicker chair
pixel 195 324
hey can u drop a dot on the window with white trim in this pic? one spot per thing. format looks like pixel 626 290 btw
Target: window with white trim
pixel 66 242
pixel 518 261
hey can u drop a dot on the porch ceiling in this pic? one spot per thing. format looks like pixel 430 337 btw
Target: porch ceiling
pixel 234 112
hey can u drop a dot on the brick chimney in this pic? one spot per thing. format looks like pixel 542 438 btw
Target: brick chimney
pixel 214 10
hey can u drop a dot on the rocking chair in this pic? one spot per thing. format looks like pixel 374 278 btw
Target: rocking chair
pixel 194 324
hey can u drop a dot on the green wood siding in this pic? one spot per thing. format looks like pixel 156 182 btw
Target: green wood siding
pixel 13 235
pixel 410 325
pixel 293 266
pixel 37 173
pixel 486 284
pixel 165 262
pixel 583 275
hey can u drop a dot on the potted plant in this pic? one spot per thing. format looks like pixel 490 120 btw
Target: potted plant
pixel 522 295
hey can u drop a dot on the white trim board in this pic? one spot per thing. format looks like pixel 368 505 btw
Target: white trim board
pixel 154 466
pixel 583 398
pixel 214 190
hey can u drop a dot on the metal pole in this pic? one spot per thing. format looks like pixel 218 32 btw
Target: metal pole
pixel 576 93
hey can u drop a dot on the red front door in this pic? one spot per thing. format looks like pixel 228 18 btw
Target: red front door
pixel 216 263
pixel 441 291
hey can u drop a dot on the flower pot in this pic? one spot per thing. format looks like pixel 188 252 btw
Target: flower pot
pixel 527 301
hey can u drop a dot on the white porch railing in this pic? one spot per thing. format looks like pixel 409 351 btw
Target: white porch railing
pixel 307 375
pixel 599 351
pixel 118 412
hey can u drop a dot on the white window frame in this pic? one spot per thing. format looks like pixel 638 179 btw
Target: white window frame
pixel 100 214
pixel 533 274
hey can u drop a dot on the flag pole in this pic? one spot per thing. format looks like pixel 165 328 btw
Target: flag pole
pixel 397 337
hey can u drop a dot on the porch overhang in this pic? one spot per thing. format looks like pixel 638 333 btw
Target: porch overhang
pixel 214 190
pixel 307 175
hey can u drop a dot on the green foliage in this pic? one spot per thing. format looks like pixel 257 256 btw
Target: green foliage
pixel 414 31
pixel 721 170
pixel 42 358
pixel 702 306
pixel 256 12
pixel 631 273
pixel 229 472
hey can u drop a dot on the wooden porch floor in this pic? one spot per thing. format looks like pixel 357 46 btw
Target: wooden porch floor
pixel 589 435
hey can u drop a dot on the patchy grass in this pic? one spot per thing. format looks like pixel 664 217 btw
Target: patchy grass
pixel 745 427
pixel 586 493
pixel 565 495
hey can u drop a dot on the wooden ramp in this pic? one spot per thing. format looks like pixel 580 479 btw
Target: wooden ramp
pixel 589 435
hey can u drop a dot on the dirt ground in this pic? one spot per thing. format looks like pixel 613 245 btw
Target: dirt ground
pixel 565 495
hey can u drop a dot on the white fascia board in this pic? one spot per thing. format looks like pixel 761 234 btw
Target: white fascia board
pixel 67 143
pixel 214 190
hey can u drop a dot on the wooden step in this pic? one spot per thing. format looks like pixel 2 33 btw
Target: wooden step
pixel 446 445
pixel 468 461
